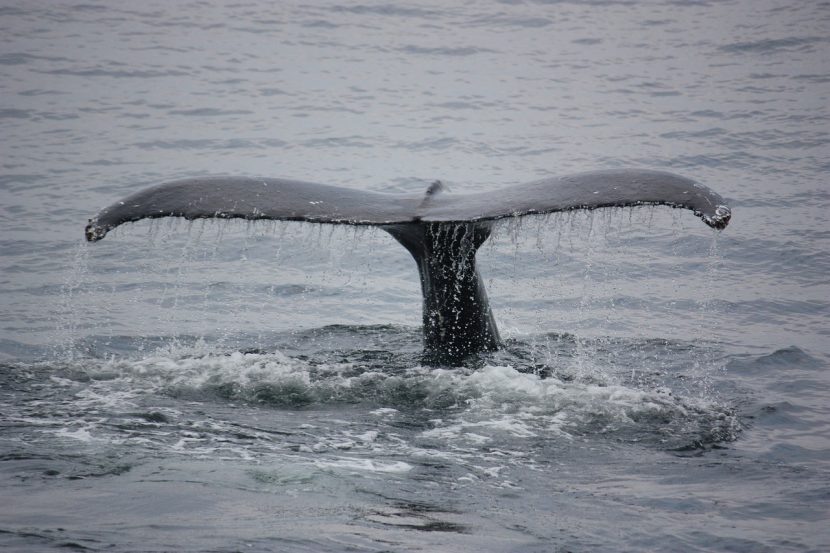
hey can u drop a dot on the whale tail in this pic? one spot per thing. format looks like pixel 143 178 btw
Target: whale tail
pixel 457 318
pixel 442 231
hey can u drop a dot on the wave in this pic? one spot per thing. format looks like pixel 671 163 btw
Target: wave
pixel 497 403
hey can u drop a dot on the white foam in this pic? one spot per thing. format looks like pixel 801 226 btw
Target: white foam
pixel 502 401
pixel 81 434
pixel 368 465
pixel 383 411
pixel 368 437
pixel 480 416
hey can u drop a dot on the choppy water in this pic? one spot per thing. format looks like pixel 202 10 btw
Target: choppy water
pixel 226 387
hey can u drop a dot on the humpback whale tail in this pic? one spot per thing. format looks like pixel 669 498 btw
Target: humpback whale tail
pixel 442 231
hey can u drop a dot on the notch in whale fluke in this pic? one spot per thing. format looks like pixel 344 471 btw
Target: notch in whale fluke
pixel 442 231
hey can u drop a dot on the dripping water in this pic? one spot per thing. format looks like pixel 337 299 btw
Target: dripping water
pixel 544 254
pixel 563 259
pixel 69 307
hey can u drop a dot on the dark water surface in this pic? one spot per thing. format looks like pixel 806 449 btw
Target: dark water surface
pixel 219 386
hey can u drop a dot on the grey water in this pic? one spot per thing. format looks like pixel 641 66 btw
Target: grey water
pixel 222 386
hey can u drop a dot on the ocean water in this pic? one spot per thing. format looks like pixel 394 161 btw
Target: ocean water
pixel 223 386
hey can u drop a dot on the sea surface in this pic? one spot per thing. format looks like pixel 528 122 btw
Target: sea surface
pixel 230 386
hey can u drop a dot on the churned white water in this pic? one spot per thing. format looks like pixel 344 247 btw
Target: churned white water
pixel 227 386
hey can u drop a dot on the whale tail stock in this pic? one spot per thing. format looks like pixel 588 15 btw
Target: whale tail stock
pixel 457 318
pixel 442 231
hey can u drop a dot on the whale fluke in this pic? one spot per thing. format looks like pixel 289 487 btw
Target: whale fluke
pixel 442 231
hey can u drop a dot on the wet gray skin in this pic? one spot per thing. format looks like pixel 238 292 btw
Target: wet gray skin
pixel 442 231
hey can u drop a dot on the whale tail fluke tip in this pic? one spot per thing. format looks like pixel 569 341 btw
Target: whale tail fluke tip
pixel 720 218
pixel 93 232
pixel 436 187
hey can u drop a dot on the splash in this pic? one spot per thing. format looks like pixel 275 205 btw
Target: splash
pixel 491 404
